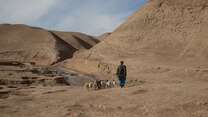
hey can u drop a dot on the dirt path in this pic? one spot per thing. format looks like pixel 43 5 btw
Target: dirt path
pixel 151 99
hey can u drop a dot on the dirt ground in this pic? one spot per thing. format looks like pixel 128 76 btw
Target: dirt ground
pixel 159 93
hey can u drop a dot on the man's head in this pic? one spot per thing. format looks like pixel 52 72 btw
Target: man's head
pixel 122 62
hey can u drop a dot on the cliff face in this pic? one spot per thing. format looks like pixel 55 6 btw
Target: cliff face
pixel 30 44
pixel 167 32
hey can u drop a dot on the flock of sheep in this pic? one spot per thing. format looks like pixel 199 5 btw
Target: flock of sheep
pixel 100 84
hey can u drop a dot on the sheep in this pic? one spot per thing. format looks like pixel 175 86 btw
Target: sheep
pixel 88 85
pixel 108 84
pixel 94 85
pixel 103 84
pixel 114 83
pixel 100 84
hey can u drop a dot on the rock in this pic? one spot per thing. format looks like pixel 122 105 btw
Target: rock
pixel 27 82
pixel 12 86
pixel 3 81
pixel 25 78
pixel 4 94
pixel 1 87
pixel 61 80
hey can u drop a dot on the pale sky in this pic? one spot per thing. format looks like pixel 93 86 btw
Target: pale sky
pixel 93 17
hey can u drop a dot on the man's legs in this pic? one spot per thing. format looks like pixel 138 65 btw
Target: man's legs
pixel 122 81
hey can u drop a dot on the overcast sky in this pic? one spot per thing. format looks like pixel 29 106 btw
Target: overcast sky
pixel 89 16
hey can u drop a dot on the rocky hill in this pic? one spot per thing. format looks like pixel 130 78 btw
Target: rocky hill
pixel 163 32
pixel 39 46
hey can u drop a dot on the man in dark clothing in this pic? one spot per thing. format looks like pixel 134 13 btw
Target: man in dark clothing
pixel 121 73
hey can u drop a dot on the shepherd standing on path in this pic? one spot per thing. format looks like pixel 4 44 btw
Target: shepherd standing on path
pixel 121 73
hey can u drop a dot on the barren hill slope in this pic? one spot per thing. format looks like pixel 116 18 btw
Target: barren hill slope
pixel 30 44
pixel 78 40
pixel 163 32
pixel 103 36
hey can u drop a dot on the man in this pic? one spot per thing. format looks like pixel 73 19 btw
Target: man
pixel 121 73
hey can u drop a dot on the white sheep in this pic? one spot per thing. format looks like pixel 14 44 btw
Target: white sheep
pixel 108 84
pixel 114 83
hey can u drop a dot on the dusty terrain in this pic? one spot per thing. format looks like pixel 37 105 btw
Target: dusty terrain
pixel 156 92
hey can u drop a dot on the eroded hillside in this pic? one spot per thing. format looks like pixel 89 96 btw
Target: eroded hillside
pixel 39 46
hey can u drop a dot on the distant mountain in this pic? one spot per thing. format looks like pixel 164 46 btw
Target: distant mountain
pixel 23 43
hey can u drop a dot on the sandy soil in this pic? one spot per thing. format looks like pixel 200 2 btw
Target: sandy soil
pixel 171 93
